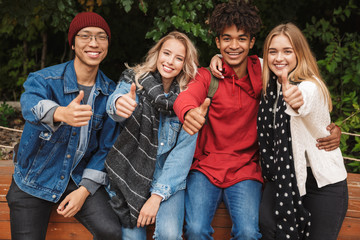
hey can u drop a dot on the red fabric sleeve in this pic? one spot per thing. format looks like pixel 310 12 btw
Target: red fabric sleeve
pixel 194 95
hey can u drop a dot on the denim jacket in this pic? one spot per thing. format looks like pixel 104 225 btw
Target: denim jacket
pixel 175 150
pixel 45 160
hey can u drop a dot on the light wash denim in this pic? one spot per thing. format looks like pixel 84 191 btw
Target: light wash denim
pixel 45 160
pixel 174 158
pixel 169 221
pixel 202 198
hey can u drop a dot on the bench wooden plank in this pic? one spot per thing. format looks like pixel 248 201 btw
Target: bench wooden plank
pixel 350 230
pixel 56 231
pixel 70 228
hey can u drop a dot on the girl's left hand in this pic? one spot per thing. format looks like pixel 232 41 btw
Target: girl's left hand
pixel 291 93
pixel 148 212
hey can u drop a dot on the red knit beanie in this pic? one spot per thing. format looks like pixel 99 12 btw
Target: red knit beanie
pixel 87 19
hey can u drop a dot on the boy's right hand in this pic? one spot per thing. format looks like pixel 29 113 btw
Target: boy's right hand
pixel 216 66
pixel 195 118
pixel 126 104
pixel 75 114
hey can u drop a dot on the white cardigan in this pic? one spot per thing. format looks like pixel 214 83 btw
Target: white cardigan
pixel 307 125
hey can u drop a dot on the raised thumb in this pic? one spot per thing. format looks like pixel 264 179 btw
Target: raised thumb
pixel 204 106
pixel 284 80
pixel 79 97
pixel 133 91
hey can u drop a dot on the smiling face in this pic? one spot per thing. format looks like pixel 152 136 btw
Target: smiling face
pixel 234 46
pixel 171 59
pixel 90 53
pixel 281 55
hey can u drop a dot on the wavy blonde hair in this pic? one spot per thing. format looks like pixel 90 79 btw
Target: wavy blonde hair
pixel 306 68
pixel 189 69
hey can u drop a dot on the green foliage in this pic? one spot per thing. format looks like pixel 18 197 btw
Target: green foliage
pixel 6 112
pixel 341 70
pixel 21 29
pixel 183 15
pixel 136 24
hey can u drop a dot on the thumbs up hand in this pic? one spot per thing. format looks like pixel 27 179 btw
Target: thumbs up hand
pixel 74 114
pixel 291 93
pixel 195 118
pixel 126 104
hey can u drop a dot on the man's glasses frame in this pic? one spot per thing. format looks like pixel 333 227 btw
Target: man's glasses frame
pixel 88 38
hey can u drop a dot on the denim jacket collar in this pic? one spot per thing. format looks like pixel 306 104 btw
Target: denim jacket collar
pixel 71 86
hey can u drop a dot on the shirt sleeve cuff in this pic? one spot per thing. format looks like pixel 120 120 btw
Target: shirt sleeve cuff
pixel 95 176
pixel 112 109
pixel 44 112
pixel 163 198
pixel 291 112
pixel 162 190
pixel 49 119
pixel 90 185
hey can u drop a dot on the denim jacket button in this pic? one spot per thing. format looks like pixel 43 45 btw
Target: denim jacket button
pixel 68 156
pixel 62 177
pixel 54 196
pixel 162 144
pixel 74 133
pixel 46 134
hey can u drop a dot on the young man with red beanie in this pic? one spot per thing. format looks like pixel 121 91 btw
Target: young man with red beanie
pixel 66 138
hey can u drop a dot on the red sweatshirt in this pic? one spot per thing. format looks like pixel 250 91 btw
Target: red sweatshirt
pixel 227 147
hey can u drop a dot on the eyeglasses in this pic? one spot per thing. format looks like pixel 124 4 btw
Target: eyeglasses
pixel 88 38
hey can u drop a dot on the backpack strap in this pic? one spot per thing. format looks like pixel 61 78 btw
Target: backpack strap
pixel 214 84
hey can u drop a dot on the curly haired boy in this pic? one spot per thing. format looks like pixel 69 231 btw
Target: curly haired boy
pixel 225 166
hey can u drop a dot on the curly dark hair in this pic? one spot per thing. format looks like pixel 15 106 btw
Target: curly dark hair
pixel 241 13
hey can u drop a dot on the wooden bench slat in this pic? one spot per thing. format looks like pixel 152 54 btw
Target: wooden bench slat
pixel 68 231
pixel 70 228
pixel 350 229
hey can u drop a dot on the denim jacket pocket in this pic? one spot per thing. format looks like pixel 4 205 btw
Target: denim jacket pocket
pixel 59 136
pixel 97 122
pixel 175 126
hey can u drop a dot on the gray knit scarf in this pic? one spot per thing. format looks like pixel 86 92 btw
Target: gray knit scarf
pixel 131 161
pixel 292 219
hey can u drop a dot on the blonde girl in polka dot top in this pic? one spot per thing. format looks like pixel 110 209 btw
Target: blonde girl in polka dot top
pixel 305 196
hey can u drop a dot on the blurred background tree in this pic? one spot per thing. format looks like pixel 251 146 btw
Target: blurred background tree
pixel 33 35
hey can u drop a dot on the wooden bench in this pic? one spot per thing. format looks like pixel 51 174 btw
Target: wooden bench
pixel 61 228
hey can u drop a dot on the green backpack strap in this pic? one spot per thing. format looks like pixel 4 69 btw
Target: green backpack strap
pixel 214 84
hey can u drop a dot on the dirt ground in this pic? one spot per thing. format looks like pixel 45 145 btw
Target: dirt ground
pixel 10 138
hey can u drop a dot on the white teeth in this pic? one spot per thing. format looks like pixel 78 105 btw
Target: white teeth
pixel 167 68
pixel 93 53
pixel 280 65
pixel 234 53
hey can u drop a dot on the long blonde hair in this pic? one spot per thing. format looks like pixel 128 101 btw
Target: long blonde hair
pixel 306 68
pixel 190 63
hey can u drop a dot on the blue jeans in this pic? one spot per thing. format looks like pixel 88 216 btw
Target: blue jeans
pixel 30 215
pixel 169 221
pixel 202 198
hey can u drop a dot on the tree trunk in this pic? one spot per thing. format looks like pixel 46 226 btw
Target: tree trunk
pixel 65 48
pixel 25 59
pixel 71 54
pixel 44 49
